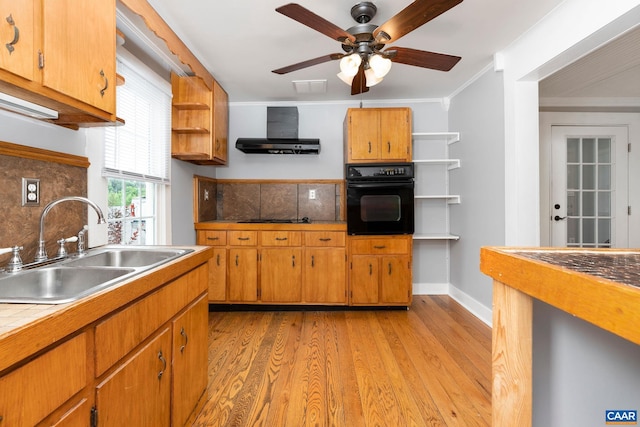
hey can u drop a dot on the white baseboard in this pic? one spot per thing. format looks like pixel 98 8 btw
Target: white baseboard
pixel 469 303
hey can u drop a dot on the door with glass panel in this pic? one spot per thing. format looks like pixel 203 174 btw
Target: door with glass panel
pixel 589 186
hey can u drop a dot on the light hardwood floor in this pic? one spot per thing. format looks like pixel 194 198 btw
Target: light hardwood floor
pixel 426 366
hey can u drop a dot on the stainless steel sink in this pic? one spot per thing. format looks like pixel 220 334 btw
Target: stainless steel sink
pixel 56 285
pixel 75 278
pixel 125 257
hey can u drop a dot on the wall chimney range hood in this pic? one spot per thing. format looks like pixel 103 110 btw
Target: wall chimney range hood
pixel 282 135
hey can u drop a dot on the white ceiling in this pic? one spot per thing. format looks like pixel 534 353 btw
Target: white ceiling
pixel 241 41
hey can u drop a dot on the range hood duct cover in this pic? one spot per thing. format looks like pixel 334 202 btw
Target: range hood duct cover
pixel 282 135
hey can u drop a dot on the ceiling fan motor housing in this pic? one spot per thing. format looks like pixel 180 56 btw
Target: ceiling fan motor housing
pixel 363 12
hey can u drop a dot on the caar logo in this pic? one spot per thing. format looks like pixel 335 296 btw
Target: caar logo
pixel 621 417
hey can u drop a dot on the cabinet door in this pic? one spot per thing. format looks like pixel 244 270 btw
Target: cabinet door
pixel 364 135
pixel 395 280
pixel 79 50
pixel 218 275
pixel 243 274
pixel 139 392
pixel 281 275
pixel 220 124
pixel 395 134
pixel 325 276
pixel 17 53
pixel 363 279
pixel 189 361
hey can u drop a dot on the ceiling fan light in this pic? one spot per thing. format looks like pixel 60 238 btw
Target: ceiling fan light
pixel 371 77
pixel 345 78
pixel 350 64
pixel 380 65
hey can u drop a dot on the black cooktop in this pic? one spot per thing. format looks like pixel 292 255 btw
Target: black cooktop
pixel 304 220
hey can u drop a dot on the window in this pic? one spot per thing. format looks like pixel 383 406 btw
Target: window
pixel 137 156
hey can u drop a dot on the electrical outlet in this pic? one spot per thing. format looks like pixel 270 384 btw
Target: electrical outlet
pixel 30 192
pixel 312 194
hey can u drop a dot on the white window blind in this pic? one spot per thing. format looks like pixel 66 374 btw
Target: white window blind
pixel 140 149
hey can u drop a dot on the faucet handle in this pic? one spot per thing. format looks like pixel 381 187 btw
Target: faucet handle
pixel 62 251
pixel 15 263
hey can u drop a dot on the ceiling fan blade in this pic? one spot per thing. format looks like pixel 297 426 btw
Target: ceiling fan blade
pixel 413 16
pixel 421 58
pixel 311 20
pixel 308 63
pixel 359 83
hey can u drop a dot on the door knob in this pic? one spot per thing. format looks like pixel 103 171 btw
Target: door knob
pixel 559 218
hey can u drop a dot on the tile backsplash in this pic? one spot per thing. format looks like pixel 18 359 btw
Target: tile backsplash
pixel 21 224
pixel 269 199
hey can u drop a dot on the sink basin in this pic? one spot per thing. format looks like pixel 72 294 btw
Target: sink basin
pixel 75 278
pixel 57 285
pixel 126 257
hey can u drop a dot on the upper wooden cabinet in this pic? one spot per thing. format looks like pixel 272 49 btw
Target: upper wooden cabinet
pixel 200 121
pixel 61 55
pixel 377 135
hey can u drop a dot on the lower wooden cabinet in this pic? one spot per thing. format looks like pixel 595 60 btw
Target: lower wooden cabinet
pixel 243 274
pixel 138 393
pixel 380 270
pixel 189 354
pixel 281 275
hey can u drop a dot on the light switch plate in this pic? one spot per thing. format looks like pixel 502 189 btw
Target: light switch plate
pixel 30 192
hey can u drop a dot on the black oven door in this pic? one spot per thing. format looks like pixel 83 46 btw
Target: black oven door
pixel 375 207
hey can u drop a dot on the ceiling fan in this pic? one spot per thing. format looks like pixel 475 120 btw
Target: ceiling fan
pixel 367 58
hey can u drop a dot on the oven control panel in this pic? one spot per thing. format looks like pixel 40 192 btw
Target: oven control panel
pixel 363 171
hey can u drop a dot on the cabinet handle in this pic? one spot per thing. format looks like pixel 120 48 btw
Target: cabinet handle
pixel 325 239
pixel 164 364
pixel 388 146
pixel 186 339
pixel 370 269
pixel 293 260
pixel 380 247
pixel 281 238
pixel 106 83
pixel 312 261
pixel 218 260
pixel 213 238
pixel 369 146
pixel 389 269
pixel 243 238
pixel 16 37
pixel 237 260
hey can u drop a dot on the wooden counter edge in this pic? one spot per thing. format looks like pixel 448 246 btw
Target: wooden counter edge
pixel 33 338
pixel 314 226
pixel 607 304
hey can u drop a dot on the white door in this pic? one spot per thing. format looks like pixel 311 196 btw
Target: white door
pixel 589 186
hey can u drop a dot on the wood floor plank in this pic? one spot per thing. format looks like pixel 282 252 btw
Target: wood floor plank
pixel 418 367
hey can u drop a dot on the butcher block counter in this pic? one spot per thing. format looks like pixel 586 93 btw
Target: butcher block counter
pixel 115 354
pixel 600 286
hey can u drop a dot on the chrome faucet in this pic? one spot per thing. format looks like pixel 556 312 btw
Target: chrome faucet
pixel 41 255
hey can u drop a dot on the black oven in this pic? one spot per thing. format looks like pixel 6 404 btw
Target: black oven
pixel 380 198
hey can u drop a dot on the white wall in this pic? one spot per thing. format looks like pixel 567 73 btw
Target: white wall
pixel 477 112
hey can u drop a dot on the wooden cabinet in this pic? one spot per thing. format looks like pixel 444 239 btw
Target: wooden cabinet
pixel 189 352
pixel 380 270
pixel 377 135
pixel 61 55
pixel 139 391
pixel 33 391
pixel 281 266
pixel 325 268
pixel 18 38
pixel 199 122
pixel 243 266
pixel 217 264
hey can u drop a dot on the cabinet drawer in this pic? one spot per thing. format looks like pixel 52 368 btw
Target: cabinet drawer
pixel 119 334
pixel 242 238
pixel 364 246
pixel 36 389
pixel 324 238
pixel 280 238
pixel 212 238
